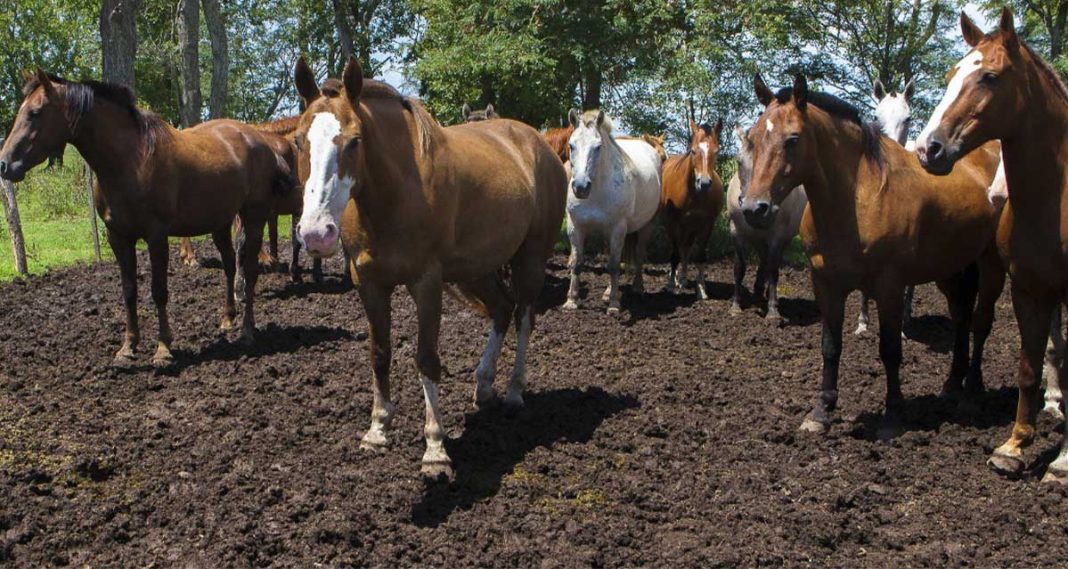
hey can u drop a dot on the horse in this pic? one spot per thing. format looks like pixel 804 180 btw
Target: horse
pixel 615 191
pixel 865 229
pixel 1002 90
pixel 769 242
pixel 277 132
pixel 416 205
pixel 558 139
pixel 894 114
pixel 475 116
pixel 152 182
pixel 691 201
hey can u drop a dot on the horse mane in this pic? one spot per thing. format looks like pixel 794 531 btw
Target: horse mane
pixel 80 96
pixel 1047 71
pixel 283 126
pixel 871 133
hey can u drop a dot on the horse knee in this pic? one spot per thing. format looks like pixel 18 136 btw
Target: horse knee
pixel 429 364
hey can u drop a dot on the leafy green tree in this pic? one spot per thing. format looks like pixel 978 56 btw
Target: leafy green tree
pixel 1043 23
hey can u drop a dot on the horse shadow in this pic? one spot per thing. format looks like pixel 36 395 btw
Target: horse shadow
pixel 270 340
pixel 653 305
pixel 799 311
pixel 933 330
pixel 493 444
pixel 929 413
pixel 307 287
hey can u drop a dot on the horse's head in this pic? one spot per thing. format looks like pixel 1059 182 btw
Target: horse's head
pixel 781 148
pixel 704 148
pixel 42 126
pixel 987 90
pixel 893 111
pixel 592 129
pixel 331 156
pixel 476 116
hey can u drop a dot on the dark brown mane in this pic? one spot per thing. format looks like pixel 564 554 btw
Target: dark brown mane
pixel 81 95
pixel 871 133
pixel 1047 71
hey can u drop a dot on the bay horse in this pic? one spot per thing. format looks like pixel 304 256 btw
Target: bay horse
pixel 278 133
pixel 691 201
pixel 471 115
pixel 615 192
pixel 876 222
pixel 1002 90
pixel 769 242
pixel 418 205
pixel 153 182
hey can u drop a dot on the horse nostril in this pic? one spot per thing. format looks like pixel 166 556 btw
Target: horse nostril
pixel 762 208
pixel 331 230
pixel 3 167
pixel 934 148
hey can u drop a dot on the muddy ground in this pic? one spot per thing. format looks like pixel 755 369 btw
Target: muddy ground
pixel 664 438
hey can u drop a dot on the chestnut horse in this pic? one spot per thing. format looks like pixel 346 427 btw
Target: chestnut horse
pixel 559 140
pixel 153 182
pixel 691 200
pixel 876 222
pixel 1003 90
pixel 418 205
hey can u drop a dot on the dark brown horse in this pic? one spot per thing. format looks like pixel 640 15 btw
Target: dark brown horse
pixel 876 222
pixel 418 205
pixel 691 200
pixel 1003 91
pixel 153 182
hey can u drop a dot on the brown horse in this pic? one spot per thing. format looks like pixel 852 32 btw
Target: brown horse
pixel 876 222
pixel 152 182
pixel 559 141
pixel 1003 90
pixel 279 134
pixel 691 200
pixel 416 205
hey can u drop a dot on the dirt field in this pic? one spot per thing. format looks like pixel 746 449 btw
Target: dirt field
pixel 665 438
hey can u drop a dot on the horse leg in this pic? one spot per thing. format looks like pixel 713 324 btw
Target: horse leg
pixel 612 294
pixel 890 302
pixel 225 244
pixel 739 277
pixel 863 320
pixel 702 260
pixel 641 242
pixel 159 255
pixel 126 255
pixel 960 298
pixel 346 271
pixel 186 253
pixel 269 252
pixel 991 283
pixel 250 268
pixel 294 259
pixel 906 315
pixel 490 291
pixel 427 295
pixel 774 262
pixel 528 277
pixel 673 275
pixel 1033 316
pixel 376 304
pixel 832 311
pixel 574 263
pixel 1053 371
pixel 760 284
pixel 239 242
pixel 1058 469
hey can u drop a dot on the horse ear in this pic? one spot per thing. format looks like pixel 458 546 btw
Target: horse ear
pixel 910 89
pixel 693 127
pixel 1008 28
pixel 353 79
pixel 719 127
pixel 46 84
pixel 971 32
pixel 573 117
pixel 304 77
pixel 879 91
pixel 763 93
pixel 490 113
pixel 466 111
pixel 800 93
pixel 600 118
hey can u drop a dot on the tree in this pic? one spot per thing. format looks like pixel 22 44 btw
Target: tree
pixel 189 97
pixel 1044 25
pixel 118 36
pixel 220 58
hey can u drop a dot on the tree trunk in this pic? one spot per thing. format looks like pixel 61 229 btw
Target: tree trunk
pixel 344 31
pixel 14 226
pixel 591 98
pixel 189 102
pixel 118 35
pixel 220 58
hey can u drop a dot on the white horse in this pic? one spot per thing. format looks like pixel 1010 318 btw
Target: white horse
pixel 895 116
pixel 769 243
pixel 615 192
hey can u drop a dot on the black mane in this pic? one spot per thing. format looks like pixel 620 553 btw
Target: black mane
pixel 871 132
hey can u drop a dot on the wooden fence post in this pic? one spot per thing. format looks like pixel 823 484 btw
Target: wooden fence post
pixel 92 210
pixel 14 226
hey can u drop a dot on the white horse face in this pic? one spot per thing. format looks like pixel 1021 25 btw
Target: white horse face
pixel 895 115
pixel 586 143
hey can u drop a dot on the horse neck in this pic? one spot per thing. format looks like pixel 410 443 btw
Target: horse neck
pixel 612 160
pixel 680 193
pixel 105 140
pixel 834 181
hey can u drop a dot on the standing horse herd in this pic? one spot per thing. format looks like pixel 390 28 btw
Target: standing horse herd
pixel 476 209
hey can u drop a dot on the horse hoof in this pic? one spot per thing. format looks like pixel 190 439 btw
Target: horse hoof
pixel 1055 475
pixel 1054 410
pixel 162 358
pixel 374 441
pixel 702 293
pixel 1005 465
pixel 438 471
pixel 226 324
pixel 124 357
pixel 570 305
pixel 774 320
pixel 248 337
pixel 613 311
pixel 862 329
pixel 486 401
pixel 735 310
pixel 813 426
pixel 513 404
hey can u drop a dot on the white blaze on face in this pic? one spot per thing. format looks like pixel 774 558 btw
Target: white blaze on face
pixel 325 194
pixel 893 113
pixel 965 68
pixel 769 125
pixel 704 149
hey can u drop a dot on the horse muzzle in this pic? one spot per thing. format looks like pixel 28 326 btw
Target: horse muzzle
pixel 937 157
pixel 581 189
pixel 702 184
pixel 13 171
pixel 320 241
pixel 759 213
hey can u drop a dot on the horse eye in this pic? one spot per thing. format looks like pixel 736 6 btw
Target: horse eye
pixel 34 113
pixel 791 140
pixel 989 77
pixel 352 143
